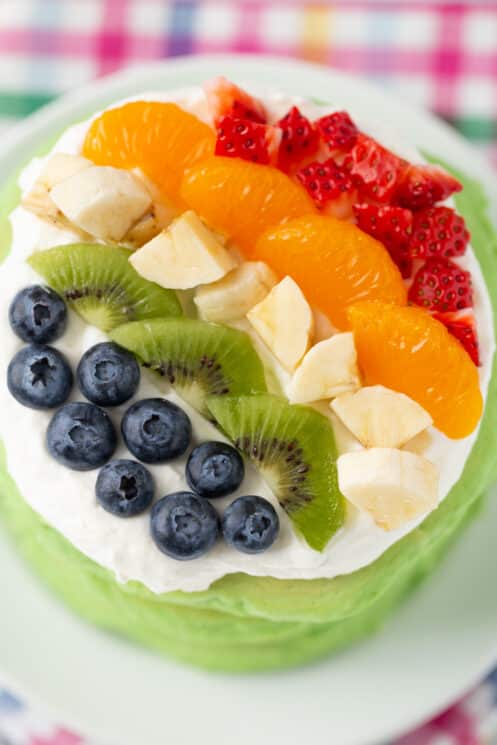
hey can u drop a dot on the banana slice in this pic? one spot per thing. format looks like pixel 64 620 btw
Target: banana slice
pixel 157 218
pixel 393 486
pixel 328 369
pixel 186 255
pixel 231 298
pixel 285 322
pixel 380 417
pixel 102 200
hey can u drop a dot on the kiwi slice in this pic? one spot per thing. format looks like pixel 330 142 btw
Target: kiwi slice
pixel 294 449
pixel 100 284
pixel 200 359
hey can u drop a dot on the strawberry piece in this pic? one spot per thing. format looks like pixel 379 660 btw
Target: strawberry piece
pixel 390 225
pixel 239 138
pixel 300 138
pixel 422 186
pixel 374 169
pixel 463 327
pixel 227 99
pixel 438 231
pixel 324 181
pixel 441 285
pixel 338 131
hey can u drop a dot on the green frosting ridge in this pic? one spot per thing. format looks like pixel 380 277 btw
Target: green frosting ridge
pixel 244 623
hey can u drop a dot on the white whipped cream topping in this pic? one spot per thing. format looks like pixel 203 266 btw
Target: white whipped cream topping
pixel 66 498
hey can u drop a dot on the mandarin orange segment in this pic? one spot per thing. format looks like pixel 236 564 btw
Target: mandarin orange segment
pixel 242 199
pixel 334 263
pixel 409 351
pixel 160 138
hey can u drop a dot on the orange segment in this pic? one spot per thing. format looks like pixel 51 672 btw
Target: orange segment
pixel 409 351
pixel 334 263
pixel 160 138
pixel 242 199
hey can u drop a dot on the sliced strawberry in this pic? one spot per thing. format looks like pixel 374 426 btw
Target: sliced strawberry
pixel 442 286
pixel 392 226
pixel 325 181
pixel 227 99
pixel 239 138
pixel 374 169
pixel 423 186
pixel 338 131
pixel 300 138
pixel 463 326
pixel 438 231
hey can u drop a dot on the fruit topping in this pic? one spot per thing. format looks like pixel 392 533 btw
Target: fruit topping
pixel 462 325
pixel 423 186
pixel 184 526
pixel 325 181
pixel 393 486
pixel 39 377
pixel 241 199
pixel 185 255
pixel 285 322
pixel 294 449
pixel 108 375
pixel 159 138
pixel 81 436
pixel 300 139
pixel 124 488
pixel 156 430
pixel 101 285
pixel 227 99
pixel 250 524
pixel 38 314
pixel 381 418
pixel 438 232
pixel 240 138
pixel 327 370
pixel 214 469
pixel 338 131
pixel 231 298
pixel 102 201
pixel 374 169
pixel 441 285
pixel 334 263
pixel 392 226
pixel 405 349
pixel 198 358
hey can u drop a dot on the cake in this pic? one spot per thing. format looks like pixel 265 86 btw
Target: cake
pixel 247 381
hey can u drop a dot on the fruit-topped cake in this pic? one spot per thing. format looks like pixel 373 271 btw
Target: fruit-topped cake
pixel 246 360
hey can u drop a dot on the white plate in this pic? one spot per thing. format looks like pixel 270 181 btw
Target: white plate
pixel 437 646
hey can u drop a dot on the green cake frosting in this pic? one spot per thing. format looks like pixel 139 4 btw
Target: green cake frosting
pixel 244 623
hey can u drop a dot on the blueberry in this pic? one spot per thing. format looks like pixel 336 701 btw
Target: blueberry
pixel 81 436
pixel 39 377
pixel 184 526
pixel 156 430
pixel 124 488
pixel 38 314
pixel 214 469
pixel 108 375
pixel 250 524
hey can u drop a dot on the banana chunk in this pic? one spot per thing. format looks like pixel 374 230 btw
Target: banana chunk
pixel 285 322
pixel 393 486
pixel 186 255
pixel 103 201
pixel 231 298
pixel 327 370
pixel 380 417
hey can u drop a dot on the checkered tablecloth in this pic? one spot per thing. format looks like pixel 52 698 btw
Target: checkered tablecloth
pixel 442 56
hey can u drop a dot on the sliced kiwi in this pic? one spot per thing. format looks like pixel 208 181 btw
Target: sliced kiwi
pixel 200 359
pixel 100 284
pixel 294 449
